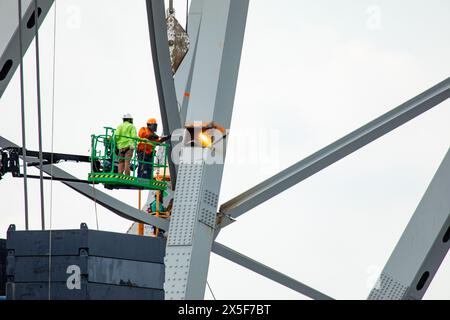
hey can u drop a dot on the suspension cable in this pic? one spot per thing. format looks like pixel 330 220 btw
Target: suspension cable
pixel 95 206
pixel 171 9
pixel 38 85
pixel 51 157
pixel 187 15
pixel 22 110
pixel 210 290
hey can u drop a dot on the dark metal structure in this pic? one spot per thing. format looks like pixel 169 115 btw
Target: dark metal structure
pixel 83 264
pixel 2 266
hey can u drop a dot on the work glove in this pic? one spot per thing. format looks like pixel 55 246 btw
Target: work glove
pixel 164 139
pixel 153 137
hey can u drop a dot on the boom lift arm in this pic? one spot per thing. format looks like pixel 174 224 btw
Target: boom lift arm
pixel 9 162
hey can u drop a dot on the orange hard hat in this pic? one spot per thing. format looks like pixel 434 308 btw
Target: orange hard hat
pixel 151 121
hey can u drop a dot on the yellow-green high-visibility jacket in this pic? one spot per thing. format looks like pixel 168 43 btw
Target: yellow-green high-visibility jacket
pixel 124 134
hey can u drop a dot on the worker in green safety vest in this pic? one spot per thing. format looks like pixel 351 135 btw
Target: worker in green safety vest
pixel 154 207
pixel 125 143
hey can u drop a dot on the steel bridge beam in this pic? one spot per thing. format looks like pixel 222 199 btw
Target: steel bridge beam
pixel 213 89
pixel 337 150
pixel 422 246
pixel 168 104
pixel 183 76
pixel 121 209
pixel 9 34
pixel 267 272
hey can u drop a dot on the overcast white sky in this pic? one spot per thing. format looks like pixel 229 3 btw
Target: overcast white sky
pixel 311 71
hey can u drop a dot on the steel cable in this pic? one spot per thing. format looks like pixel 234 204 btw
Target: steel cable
pixel 38 89
pixel 51 158
pixel 22 110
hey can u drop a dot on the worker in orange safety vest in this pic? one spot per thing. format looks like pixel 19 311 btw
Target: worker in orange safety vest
pixel 146 150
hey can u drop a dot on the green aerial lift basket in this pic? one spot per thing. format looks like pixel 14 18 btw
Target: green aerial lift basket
pixel 105 158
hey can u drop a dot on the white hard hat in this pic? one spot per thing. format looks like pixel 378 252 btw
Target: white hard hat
pixel 127 116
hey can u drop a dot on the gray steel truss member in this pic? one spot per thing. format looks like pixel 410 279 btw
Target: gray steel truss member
pixel 423 245
pixel 9 34
pixel 121 209
pixel 267 272
pixel 337 150
pixel 183 76
pixel 163 73
pixel 213 90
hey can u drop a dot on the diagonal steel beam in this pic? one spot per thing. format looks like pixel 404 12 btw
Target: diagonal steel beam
pixel 267 272
pixel 337 150
pixel 422 246
pixel 184 74
pixel 9 34
pixel 121 209
pixel 118 207
pixel 163 74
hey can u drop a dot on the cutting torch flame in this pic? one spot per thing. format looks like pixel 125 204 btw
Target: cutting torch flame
pixel 205 140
